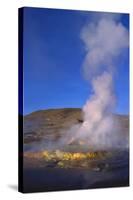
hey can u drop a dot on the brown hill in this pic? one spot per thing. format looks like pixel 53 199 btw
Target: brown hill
pixel 47 124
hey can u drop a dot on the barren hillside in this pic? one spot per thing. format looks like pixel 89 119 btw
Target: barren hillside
pixel 48 124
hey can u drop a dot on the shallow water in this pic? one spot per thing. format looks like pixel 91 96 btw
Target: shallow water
pixel 111 172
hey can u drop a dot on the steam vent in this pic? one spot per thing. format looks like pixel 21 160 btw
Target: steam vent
pixel 44 147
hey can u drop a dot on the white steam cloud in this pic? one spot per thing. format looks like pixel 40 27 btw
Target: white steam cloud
pixel 104 42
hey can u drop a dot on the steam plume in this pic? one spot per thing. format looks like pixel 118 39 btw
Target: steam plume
pixel 104 42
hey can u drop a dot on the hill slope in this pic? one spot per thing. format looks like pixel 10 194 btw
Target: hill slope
pixel 48 124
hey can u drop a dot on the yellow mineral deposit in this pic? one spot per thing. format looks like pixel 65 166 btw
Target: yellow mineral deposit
pixel 64 156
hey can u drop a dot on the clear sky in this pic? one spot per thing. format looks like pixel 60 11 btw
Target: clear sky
pixel 53 59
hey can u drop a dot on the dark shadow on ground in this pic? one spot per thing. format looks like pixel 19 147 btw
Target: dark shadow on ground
pixel 13 187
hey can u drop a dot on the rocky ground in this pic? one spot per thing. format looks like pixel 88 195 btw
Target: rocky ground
pixel 49 124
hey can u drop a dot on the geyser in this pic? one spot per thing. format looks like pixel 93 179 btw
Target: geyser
pixel 104 41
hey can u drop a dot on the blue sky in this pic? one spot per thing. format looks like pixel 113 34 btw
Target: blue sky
pixel 53 59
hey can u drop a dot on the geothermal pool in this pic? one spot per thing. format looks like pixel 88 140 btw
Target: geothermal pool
pixel 107 170
pixel 49 165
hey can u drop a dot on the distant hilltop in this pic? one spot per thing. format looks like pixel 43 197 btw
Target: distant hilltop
pixel 48 124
